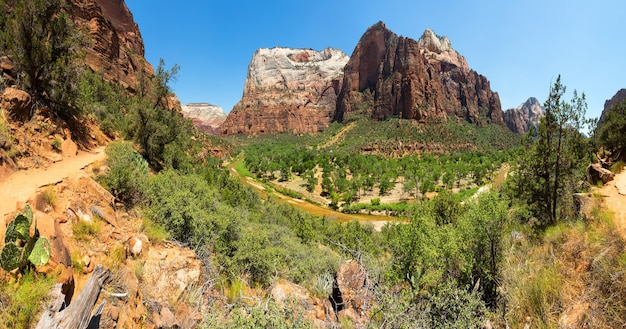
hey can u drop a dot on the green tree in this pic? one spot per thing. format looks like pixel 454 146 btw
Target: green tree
pixel 612 131
pixel 549 163
pixel 46 49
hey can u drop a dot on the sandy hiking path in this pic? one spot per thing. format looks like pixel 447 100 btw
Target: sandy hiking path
pixel 614 198
pixel 22 185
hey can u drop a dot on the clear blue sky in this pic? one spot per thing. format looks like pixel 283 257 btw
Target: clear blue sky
pixel 520 46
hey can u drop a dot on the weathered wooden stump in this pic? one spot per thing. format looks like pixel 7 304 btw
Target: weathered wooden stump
pixel 78 315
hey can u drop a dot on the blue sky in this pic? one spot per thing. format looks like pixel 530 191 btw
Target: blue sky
pixel 520 46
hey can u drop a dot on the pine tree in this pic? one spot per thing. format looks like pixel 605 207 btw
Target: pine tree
pixel 551 159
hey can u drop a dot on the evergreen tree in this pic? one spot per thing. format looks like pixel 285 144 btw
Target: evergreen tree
pixel 612 132
pixel 45 48
pixel 550 161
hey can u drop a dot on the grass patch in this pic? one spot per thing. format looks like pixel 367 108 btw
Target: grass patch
pixel 77 262
pixel 49 195
pixel 83 229
pixel 155 232
pixel 21 301
pixel 117 256
pixel 240 167
pixel 617 167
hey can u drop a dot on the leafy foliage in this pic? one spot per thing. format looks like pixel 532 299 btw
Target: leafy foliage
pixel 128 172
pixel 46 49
pixel 20 248
pixel 550 164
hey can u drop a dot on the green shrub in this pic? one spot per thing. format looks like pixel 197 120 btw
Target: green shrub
pixel 128 172
pixel 21 301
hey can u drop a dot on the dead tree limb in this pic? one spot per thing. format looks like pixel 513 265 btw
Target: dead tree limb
pixel 77 315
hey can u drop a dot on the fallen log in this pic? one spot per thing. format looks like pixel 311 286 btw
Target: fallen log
pixel 78 315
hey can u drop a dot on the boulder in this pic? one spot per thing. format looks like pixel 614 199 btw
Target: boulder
pixel 60 259
pixel 17 104
pixel 595 174
pixel 352 295
pixel 69 148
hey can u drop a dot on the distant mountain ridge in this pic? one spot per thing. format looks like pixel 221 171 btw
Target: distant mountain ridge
pixel 206 117
pixel 525 116
pixel 302 91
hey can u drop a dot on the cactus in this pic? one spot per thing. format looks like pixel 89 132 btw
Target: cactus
pixel 20 248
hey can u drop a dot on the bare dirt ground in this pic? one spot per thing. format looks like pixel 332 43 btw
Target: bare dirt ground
pixel 22 185
pixel 614 198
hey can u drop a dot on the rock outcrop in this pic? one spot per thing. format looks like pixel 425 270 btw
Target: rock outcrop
pixel 525 116
pixel 206 117
pixel 619 96
pixel 16 104
pixel 388 75
pixel 117 48
pixel 288 90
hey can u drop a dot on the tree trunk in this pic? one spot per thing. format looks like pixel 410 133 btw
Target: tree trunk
pixel 77 315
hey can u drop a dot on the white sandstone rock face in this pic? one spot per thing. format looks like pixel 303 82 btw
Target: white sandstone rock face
pixel 287 68
pixel 440 49
pixel 288 90
pixel 208 118
pixel 203 111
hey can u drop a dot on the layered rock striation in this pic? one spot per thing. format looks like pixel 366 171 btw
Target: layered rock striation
pixel 525 116
pixel 116 46
pixel 206 117
pixel 388 75
pixel 288 90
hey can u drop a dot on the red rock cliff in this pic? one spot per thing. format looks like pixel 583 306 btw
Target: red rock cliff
pixel 389 76
pixel 116 47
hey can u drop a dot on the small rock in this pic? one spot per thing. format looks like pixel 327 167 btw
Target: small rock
pixel 86 260
pixel 168 320
pixel 135 246
pixel 17 104
pixel 115 313
pixel 69 148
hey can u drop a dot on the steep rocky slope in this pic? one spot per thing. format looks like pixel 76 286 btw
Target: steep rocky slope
pixel 388 75
pixel 117 47
pixel 619 96
pixel 206 117
pixel 525 116
pixel 288 90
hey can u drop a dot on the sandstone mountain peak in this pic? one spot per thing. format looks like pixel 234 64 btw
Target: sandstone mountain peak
pixel 440 49
pixel 206 117
pixel 288 90
pixel 388 75
pixel 525 116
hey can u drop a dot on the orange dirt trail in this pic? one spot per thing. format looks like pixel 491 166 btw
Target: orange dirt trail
pixel 614 198
pixel 22 185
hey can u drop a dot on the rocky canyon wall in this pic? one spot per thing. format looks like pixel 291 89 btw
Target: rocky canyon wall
pixel 288 90
pixel 388 75
pixel 116 47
